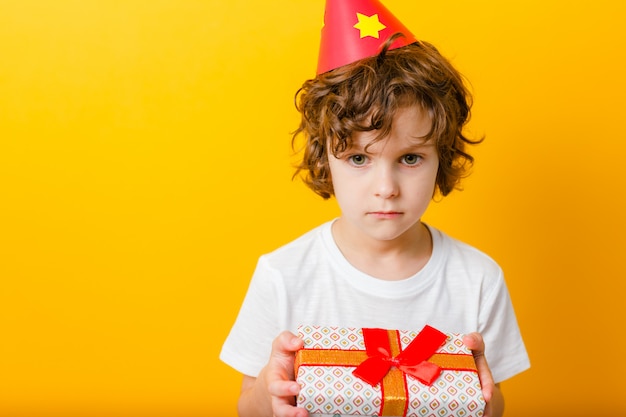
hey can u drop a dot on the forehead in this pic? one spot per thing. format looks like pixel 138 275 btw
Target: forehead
pixel 410 126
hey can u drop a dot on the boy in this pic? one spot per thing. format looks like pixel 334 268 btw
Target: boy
pixel 384 132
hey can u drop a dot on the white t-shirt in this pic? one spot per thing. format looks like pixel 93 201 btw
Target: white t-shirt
pixel 308 281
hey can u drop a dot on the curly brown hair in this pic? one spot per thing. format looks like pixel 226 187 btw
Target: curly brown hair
pixel 365 95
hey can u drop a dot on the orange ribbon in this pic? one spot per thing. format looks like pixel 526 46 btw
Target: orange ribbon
pixel 393 384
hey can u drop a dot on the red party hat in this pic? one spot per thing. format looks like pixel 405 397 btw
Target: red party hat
pixel 355 29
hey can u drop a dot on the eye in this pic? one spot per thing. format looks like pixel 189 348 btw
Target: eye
pixel 411 159
pixel 357 160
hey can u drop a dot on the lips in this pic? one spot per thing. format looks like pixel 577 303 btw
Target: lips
pixel 385 214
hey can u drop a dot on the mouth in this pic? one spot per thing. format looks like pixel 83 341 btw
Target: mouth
pixel 385 214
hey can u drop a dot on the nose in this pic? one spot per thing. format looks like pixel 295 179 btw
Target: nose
pixel 386 183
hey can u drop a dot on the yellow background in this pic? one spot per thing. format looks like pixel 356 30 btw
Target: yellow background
pixel 145 164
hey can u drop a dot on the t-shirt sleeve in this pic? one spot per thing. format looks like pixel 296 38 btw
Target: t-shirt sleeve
pixel 504 347
pixel 248 345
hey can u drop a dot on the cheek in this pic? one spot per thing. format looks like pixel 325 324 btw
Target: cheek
pixel 346 181
pixel 345 190
pixel 340 188
pixel 334 175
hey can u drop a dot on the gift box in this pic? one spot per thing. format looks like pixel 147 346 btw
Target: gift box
pixel 378 372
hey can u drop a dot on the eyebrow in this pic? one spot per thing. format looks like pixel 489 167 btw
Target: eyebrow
pixel 358 147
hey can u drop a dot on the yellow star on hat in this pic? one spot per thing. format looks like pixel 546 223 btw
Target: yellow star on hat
pixel 369 25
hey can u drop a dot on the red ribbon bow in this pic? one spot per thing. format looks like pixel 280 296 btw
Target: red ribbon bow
pixel 411 361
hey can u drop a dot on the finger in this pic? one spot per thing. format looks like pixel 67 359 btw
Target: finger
pixel 475 343
pixel 281 385
pixel 283 348
pixel 283 394
pixel 281 409
pixel 283 355
pixel 283 388
pixel 285 344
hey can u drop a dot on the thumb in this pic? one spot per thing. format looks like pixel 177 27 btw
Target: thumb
pixel 475 343
pixel 285 345
pixel 287 342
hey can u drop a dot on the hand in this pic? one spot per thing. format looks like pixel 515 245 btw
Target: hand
pixel 280 377
pixel 491 392
pixel 273 392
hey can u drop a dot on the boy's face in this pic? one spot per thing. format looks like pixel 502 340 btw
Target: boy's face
pixel 384 191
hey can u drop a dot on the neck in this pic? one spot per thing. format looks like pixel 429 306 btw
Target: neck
pixel 390 260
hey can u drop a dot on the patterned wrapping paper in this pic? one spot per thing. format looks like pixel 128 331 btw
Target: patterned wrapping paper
pixel 324 369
